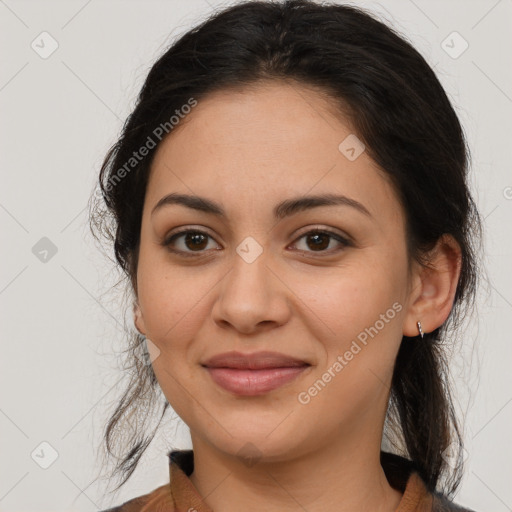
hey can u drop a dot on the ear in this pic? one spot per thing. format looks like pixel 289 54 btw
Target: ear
pixel 433 288
pixel 138 319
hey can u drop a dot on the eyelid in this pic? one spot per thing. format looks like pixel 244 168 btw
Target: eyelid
pixel 321 229
pixel 188 228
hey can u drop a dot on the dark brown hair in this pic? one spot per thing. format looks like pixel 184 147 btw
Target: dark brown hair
pixel 398 109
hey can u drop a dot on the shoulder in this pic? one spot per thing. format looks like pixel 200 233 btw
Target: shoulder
pixel 441 503
pixel 160 497
pixel 403 475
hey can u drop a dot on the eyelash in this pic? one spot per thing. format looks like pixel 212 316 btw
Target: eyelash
pixel 167 242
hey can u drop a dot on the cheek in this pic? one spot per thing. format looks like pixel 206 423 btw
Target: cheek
pixel 358 323
pixel 346 301
pixel 168 297
pixel 356 313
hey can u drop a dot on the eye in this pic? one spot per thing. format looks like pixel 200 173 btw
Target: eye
pixel 320 239
pixel 193 241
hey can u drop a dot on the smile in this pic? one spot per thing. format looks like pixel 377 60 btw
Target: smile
pixel 254 382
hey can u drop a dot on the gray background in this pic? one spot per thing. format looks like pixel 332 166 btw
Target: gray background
pixel 60 324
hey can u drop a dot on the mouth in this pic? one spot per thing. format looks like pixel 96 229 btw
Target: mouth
pixel 253 374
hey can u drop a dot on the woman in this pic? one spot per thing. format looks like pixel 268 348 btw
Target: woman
pixel 289 202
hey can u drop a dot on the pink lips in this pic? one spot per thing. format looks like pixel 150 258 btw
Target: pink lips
pixel 253 374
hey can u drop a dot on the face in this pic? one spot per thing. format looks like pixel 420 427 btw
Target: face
pixel 248 275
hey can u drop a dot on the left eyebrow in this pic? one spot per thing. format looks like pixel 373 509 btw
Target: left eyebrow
pixel 292 206
pixel 281 210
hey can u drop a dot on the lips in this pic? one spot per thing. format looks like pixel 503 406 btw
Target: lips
pixel 254 361
pixel 253 374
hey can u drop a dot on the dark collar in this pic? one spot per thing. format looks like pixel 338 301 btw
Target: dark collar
pixel 184 459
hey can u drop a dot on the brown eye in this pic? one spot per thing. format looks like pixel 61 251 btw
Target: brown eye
pixel 320 240
pixel 188 241
pixel 195 241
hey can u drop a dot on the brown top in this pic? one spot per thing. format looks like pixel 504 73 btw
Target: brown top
pixel 180 495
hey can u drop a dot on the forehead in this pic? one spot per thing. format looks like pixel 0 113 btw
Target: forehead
pixel 261 144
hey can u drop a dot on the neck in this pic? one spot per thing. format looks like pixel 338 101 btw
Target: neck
pixel 341 478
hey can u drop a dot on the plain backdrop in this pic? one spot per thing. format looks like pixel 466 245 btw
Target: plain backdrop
pixel 69 75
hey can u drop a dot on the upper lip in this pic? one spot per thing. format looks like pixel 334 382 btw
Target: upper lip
pixel 254 361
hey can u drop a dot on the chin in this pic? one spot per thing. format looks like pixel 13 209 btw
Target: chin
pixel 255 444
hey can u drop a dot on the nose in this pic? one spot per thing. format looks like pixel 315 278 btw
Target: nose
pixel 252 297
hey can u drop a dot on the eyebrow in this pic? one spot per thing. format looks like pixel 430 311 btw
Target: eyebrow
pixel 284 209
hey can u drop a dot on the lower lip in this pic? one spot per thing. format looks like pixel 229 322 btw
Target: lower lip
pixel 254 382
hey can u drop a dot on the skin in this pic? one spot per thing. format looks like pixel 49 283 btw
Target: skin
pixel 248 150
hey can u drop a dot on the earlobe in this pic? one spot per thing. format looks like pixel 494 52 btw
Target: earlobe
pixel 138 319
pixel 437 287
